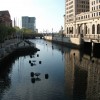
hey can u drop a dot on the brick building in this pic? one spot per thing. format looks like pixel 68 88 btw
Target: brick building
pixel 5 18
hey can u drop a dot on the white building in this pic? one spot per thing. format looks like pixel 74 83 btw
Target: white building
pixel 73 7
pixel 29 23
pixel 82 17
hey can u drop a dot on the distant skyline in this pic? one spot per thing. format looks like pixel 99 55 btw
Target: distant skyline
pixel 48 13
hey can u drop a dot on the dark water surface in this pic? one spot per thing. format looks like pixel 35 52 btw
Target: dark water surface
pixel 71 75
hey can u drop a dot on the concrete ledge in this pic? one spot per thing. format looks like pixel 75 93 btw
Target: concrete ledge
pixel 19 50
pixel 73 42
pixel 70 45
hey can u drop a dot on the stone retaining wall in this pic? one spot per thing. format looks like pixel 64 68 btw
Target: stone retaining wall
pixel 68 41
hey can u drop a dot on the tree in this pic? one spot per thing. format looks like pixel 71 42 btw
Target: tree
pixel 26 31
pixel 5 32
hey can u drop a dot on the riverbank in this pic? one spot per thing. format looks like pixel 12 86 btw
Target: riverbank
pixel 15 47
pixel 73 42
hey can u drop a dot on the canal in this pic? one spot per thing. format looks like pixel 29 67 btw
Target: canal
pixel 53 73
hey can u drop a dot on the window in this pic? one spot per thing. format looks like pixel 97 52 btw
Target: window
pixel 97 13
pixel 94 14
pixel 92 8
pixel 97 7
pixel 86 16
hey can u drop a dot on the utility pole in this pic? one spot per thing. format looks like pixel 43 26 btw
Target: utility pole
pixel 62 33
pixel 52 34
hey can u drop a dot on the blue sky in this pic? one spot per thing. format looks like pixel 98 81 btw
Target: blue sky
pixel 48 13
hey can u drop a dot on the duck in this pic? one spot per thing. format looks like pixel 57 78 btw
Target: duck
pixel 37 74
pixel 32 74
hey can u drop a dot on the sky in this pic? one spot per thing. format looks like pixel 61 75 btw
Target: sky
pixel 49 13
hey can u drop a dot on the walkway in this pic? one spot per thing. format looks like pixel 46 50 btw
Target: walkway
pixel 10 45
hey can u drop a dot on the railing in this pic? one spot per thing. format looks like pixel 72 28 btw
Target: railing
pixel 73 35
pixel 68 35
pixel 87 36
pixel 93 37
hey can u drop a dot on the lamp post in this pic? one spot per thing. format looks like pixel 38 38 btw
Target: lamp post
pixel 52 34
pixel 62 33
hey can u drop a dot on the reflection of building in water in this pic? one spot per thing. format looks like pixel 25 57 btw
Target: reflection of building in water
pixel 92 65
pixel 82 76
pixel 5 80
pixel 74 83
pixel 69 74
pixel 93 87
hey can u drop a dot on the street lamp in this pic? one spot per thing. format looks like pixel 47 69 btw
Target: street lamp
pixel 52 34
pixel 62 33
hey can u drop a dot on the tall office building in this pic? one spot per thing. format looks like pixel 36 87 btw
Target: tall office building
pixel 94 5
pixel 95 8
pixel 82 17
pixel 29 23
pixel 73 7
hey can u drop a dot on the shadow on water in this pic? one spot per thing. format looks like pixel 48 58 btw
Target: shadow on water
pixel 82 72
pixel 80 84
pixel 5 80
pixel 5 70
pixel 82 76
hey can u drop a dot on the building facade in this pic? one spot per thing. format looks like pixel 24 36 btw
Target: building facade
pixel 85 19
pixel 73 7
pixel 29 23
pixel 5 18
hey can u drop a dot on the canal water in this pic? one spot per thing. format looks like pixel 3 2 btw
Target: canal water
pixel 53 73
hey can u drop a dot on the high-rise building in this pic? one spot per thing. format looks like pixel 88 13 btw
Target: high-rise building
pixel 73 7
pixel 95 8
pixel 29 23
pixel 82 17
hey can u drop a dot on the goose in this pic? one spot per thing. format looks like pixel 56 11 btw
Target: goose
pixel 33 80
pixel 37 74
pixel 33 64
pixel 46 76
pixel 29 61
pixel 32 74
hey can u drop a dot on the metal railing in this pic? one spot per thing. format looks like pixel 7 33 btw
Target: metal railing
pixel 93 37
pixel 73 35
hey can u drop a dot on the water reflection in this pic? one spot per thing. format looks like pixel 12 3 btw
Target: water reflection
pixel 6 73
pixel 59 73
pixel 82 76
pixel 46 76
pixel 82 73
pixel 5 79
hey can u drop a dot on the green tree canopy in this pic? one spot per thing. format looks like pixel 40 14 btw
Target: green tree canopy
pixel 6 31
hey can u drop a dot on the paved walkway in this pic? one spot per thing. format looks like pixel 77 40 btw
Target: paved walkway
pixel 8 42
pixel 5 47
pixel 10 45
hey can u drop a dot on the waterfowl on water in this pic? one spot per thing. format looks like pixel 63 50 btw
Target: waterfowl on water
pixel 37 74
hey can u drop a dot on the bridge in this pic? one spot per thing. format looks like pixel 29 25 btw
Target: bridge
pixel 92 43
pixel 36 35
pixel 33 36
pixel 92 38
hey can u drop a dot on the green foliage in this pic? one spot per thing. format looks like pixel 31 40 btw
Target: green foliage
pixel 26 31
pixel 6 31
pixel 17 28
